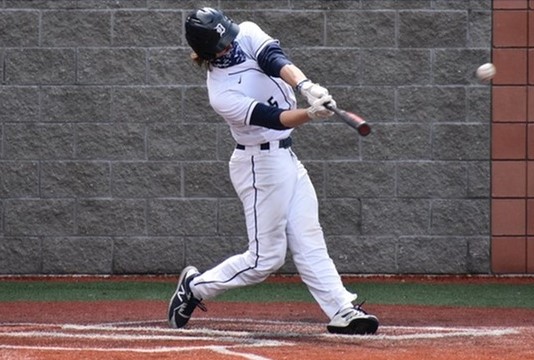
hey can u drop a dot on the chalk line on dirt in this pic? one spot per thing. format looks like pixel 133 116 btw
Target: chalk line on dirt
pixel 307 331
pixel 225 350
pixel 141 334
pixel 270 333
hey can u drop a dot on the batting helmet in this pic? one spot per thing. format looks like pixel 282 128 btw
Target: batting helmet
pixel 209 31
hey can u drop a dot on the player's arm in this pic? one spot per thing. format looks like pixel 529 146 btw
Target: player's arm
pixel 274 62
pixel 292 75
pixel 275 118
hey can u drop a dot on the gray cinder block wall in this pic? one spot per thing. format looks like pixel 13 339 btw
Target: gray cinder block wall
pixel 112 162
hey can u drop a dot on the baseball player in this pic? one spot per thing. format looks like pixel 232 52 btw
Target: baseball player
pixel 250 84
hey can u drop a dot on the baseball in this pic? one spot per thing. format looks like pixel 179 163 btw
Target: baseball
pixel 486 72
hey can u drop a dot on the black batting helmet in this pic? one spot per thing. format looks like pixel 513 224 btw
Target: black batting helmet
pixel 209 31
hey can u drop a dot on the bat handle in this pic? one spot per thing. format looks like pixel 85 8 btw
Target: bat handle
pixel 329 106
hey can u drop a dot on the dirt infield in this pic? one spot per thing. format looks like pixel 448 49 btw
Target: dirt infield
pixel 137 330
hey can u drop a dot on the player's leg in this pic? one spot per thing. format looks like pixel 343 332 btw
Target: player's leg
pixel 310 254
pixel 317 270
pixel 264 183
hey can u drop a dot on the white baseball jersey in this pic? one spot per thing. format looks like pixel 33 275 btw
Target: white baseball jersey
pixel 234 91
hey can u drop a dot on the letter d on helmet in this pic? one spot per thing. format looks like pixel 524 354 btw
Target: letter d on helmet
pixel 209 31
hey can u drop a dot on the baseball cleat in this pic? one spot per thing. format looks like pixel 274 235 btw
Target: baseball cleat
pixel 353 321
pixel 183 303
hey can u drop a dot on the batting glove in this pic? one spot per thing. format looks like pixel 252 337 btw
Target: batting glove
pixel 318 111
pixel 311 91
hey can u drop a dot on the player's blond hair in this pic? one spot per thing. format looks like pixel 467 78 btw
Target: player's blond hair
pixel 197 59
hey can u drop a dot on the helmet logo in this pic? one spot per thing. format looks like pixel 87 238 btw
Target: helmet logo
pixel 220 29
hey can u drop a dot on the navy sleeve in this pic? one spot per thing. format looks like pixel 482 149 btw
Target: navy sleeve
pixel 272 59
pixel 267 116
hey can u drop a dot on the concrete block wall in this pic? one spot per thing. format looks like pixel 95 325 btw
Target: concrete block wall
pixel 112 162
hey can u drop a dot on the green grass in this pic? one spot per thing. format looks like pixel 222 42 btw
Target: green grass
pixel 470 295
pixel 83 291
pixel 406 293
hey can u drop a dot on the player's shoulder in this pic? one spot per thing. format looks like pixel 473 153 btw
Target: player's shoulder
pixel 249 29
pixel 248 26
pixel 252 38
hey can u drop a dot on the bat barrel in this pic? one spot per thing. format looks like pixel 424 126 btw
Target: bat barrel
pixel 351 119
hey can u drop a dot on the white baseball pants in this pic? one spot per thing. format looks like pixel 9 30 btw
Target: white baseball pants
pixel 281 211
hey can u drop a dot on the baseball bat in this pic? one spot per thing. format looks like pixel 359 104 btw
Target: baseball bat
pixel 351 119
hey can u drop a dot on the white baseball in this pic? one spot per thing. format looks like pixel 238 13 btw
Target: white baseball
pixel 486 72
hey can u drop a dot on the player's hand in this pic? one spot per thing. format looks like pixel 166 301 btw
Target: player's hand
pixel 318 110
pixel 312 91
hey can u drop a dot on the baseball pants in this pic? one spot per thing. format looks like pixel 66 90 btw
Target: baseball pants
pixel 281 211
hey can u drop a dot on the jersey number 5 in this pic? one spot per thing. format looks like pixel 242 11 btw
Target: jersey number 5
pixel 272 102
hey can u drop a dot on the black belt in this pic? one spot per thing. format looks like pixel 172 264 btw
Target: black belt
pixel 285 143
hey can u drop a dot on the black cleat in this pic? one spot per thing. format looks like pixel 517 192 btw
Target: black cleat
pixel 183 303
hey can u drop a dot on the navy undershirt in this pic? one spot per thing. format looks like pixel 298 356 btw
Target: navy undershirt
pixel 271 60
